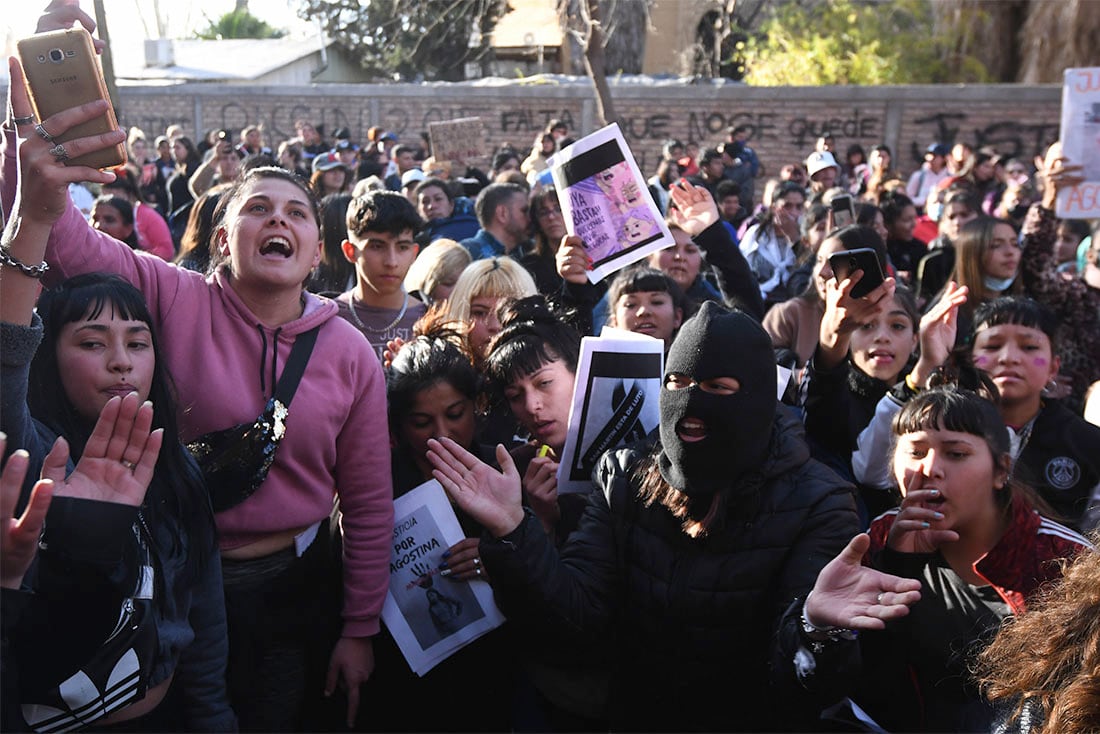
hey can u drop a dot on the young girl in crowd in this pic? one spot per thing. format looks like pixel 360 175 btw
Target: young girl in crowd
pixel 697 230
pixel 547 230
pixel 272 509
pixel 477 294
pixel 899 216
pixel 648 302
pixel 114 216
pixel 1053 450
pixel 433 391
pixel 92 342
pixel 969 531
pixel 987 261
pixel 335 274
pixel 435 271
pixel 795 324
pixel 770 245
pixel 96 343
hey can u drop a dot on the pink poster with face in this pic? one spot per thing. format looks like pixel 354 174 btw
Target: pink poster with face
pixel 605 202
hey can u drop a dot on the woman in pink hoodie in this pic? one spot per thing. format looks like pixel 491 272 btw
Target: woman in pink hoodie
pixel 227 339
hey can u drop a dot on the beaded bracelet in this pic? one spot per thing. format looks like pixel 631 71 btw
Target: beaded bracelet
pixel 31 271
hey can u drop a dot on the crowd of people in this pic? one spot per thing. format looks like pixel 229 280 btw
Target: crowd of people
pixel 225 359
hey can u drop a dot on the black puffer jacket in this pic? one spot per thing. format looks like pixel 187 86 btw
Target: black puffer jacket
pixel 693 620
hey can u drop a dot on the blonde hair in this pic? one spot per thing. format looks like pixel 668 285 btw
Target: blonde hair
pixel 441 260
pixel 496 277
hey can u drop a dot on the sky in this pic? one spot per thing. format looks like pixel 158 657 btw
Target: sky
pixel 125 17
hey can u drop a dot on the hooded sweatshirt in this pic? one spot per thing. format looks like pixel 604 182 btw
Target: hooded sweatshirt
pixel 225 365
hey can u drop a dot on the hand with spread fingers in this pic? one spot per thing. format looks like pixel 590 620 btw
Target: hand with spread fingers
pixel 695 209
pixel 853 596
pixel 937 332
pixel 489 496
pixel 19 538
pixel 44 177
pixel 119 458
pixel 844 314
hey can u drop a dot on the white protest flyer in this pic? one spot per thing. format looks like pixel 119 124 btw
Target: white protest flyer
pixel 429 615
pixel 457 140
pixel 606 202
pixel 615 401
pixel 1081 142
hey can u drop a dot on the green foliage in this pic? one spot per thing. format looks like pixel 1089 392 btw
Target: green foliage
pixel 405 40
pixel 853 42
pixel 239 24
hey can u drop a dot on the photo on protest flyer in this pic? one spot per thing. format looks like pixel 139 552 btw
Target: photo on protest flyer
pixel 431 616
pixel 615 402
pixel 1081 142
pixel 606 202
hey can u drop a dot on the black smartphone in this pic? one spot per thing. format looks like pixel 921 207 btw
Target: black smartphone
pixel 843 211
pixel 846 262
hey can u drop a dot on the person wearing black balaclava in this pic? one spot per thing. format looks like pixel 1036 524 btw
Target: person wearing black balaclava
pixel 693 549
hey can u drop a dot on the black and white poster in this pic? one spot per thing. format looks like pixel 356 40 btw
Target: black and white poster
pixel 615 401
pixel 429 615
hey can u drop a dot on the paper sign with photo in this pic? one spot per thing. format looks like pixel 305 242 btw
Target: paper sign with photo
pixel 1081 142
pixel 457 140
pixel 431 616
pixel 606 202
pixel 614 401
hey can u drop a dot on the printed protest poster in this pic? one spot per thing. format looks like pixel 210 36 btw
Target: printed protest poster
pixel 457 140
pixel 605 201
pixel 431 616
pixel 614 401
pixel 1081 142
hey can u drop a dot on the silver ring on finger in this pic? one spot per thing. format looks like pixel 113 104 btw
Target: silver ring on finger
pixel 878 599
pixel 28 120
pixel 477 571
pixel 128 464
pixel 42 133
pixel 477 562
pixel 59 152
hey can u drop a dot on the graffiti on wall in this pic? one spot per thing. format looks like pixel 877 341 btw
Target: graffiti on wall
pixel 1010 138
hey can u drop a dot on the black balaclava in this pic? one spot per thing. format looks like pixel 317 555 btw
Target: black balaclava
pixel 718 343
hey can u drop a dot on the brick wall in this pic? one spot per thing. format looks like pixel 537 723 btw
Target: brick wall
pixel 1017 120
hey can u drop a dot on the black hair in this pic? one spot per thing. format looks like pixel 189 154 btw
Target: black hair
pixel 438 182
pixel 124 181
pixel 502 157
pixel 402 148
pixel 257 160
pixel 706 155
pixel 726 188
pixel 865 213
pixel 334 272
pixel 492 197
pixel 430 358
pixel 542 245
pixel 177 498
pixel 1020 311
pixel 855 236
pixel 382 211
pixel 953 408
pixel 197 243
pixel 644 279
pixel 531 336
pixel 893 203
pixel 125 211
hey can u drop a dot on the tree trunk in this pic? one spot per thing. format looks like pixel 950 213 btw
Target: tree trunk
pixel 596 65
pixel 625 35
pixel 242 5
pixel 107 59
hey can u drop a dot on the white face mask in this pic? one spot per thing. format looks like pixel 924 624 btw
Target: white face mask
pixel 935 210
pixel 999 285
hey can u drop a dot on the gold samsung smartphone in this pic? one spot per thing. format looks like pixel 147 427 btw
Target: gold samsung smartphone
pixel 62 71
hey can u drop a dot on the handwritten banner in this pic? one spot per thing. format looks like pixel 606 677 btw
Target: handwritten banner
pixel 457 140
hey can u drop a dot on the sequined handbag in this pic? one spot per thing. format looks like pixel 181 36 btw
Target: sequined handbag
pixel 235 461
